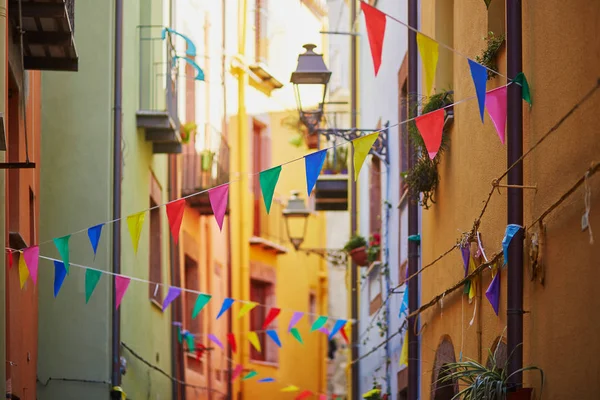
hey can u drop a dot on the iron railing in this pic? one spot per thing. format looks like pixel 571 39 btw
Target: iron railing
pixel 207 168
pixel 70 4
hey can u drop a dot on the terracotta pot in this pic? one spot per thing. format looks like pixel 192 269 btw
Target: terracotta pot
pixel 359 256
pixel 521 394
pixel 312 141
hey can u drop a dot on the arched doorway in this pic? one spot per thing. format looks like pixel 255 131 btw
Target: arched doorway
pixel 443 356
pixel 499 353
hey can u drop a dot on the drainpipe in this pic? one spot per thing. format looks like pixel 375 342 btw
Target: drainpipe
pixel 388 288
pixel 514 310
pixel 117 176
pixel 413 208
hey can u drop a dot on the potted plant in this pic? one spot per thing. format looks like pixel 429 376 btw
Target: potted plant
pixel 187 131
pixel 489 55
pixel 312 140
pixel 374 250
pixel 206 157
pixel 356 248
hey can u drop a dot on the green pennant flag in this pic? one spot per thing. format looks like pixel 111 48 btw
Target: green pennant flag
pixel 268 180
pixel 179 336
pixel 191 343
pixel 296 333
pixel 62 244
pixel 318 324
pixel 201 301
pixel 467 288
pixel 525 92
pixel 250 374
pixel 92 277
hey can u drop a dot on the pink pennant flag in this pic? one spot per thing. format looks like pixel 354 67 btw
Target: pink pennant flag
pixel 273 313
pixel 237 372
pixel 218 202
pixel 324 330
pixel 121 285
pixel 322 397
pixel 294 320
pixel 430 126
pixel 31 256
pixel 175 211
pixel 496 105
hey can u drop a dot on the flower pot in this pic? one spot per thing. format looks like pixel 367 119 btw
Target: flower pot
pixel 359 256
pixel 207 160
pixel 312 140
pixel 521 394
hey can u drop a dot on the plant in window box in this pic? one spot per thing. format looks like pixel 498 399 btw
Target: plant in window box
pixel 356 248
pixel 187 131
pixel 206 159
pixel 374 250
pixel 329 164
pixel 489 55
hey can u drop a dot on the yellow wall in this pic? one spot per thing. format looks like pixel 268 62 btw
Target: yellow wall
pixel 560 62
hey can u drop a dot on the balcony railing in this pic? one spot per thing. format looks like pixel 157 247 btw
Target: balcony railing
pixel 269 230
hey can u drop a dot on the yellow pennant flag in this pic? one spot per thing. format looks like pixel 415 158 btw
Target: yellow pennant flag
pixel 473 288
pixel 404 352
pixel 362 146
pixel 135 223
pixel 246 308
pixel 23 270
pixel 429 51
pixel 290 388
pixel 253 338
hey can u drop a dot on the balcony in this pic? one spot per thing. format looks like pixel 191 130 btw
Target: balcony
pixel 48 28
pixel 331 189
pixel 204 170
pixel 268 232
pixel 157 111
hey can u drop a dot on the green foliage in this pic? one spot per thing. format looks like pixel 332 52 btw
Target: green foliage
pixel 488 57
pixel 186 131
pixel 355 242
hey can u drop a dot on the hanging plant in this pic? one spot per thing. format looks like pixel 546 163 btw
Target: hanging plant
pixel 356 248
pixel 374 250
pixel 186 131
pixel 489 56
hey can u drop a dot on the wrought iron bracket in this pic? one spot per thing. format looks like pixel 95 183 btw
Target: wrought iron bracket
pixel 380 148
pixel 333 256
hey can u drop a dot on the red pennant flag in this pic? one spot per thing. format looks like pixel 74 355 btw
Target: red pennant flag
pixel 10 259
pixel 231 340
pixel 345 336
pixel 375 21
pixel 236 372
pixel 430 126
pixel 200 351
pixel 175 211
pixel 273 313
pixel 304 395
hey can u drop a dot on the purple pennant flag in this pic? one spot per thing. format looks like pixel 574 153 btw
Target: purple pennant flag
pixel 493 292
pixel 214 339
pixel 323 330
pixel 466 254
pixel 294 320
pixel 173 293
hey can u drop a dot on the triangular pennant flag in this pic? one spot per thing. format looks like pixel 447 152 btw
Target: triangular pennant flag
pixel 339 324
pixel 362 146
pixel 31 256
pixel 249 375
pixel 175 211
pixel 253 339
pixel 10 259
pixel 218 202
pixel 246 308
pixel 273 335
pixel 92 276
pixel 179 334
pixel 200 351
pixel 227 303
pixel 236 372
pixel 23 271
pixel 201 301
pixel 479 75
pixel 525 92
pixel 375 21
pixel 466 255
pixel 191 342
pixel 268 180
pixel 429 51
pixel 273 313
pixel 511 230
pixel 135 223
pixel 94 235
pixel 265 380
pixel 121 285
pixel 62 244
pixel 304 394
pixel 296 333
pixel 318 324
pixel 344 334
pixel 290 388
pixel 404 304
pixel 496 106
pixel 493 292
pixel 59 276
pixel 294 320
pixel 404 352
pixel 231 341
pixel 313 164
pixel 467 287
pixel 214 339
pixel 172 294
pixel 324 330
pixel 431 127
pixel 473 287
pixel 322 397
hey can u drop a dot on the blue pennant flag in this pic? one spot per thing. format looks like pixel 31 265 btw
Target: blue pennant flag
pixel 511 230
pixel 339 324
pixel 273 335
pixel 313 163
pixel 94 234
pixel 266 380
pixel 479 75
pixel 59 276
pixel 404 305
pixel 227 303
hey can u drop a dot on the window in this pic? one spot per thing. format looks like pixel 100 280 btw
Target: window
pixel 374 289
pixel 155 291
pixel 192 282
pixel 261 160
pixel 496 17
pixel 261 41
pixel 312 307
pixel 262 292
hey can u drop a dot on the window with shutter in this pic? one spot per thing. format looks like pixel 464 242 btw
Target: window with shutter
pixel 155 259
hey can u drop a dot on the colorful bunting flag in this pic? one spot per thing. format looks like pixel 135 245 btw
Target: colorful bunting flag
pixel 214 339
pixel 191 342
pixel 324 330
pixel 227 303
pixel 318 324
pixel 237 372
pixel 431 127
pixel 92 277
pixel 201 301
pixel 511 230
pixel 172 294
pixel 345 334
pixel 294 320
pixel 496 106
pixel 290 388
pixel 479 75
pixel 253 339
pixel 404 304
pixel 304 394
pixel 59 276
pixel 250 375
pixel 313 164
pixel 525 92
pixel 322 397
pixel 429 51
pixel 266 380
pixel 268 180
pixel 493 292
pixel 121 285
pixel 10 259
pixel 231 341
pixel 273 335
pixel 466 255
pixel 31 256
pixel 175 210
pixel 218 202
pixel 473 287
pixel 273 313
pixel 375 21
pixel 23 271
pixel 339 324
pixel 62 244
pixel 246 308
pixel 362 146
pixel 404 352
pixel 296 333
pixel 94 235
pixel 135 222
